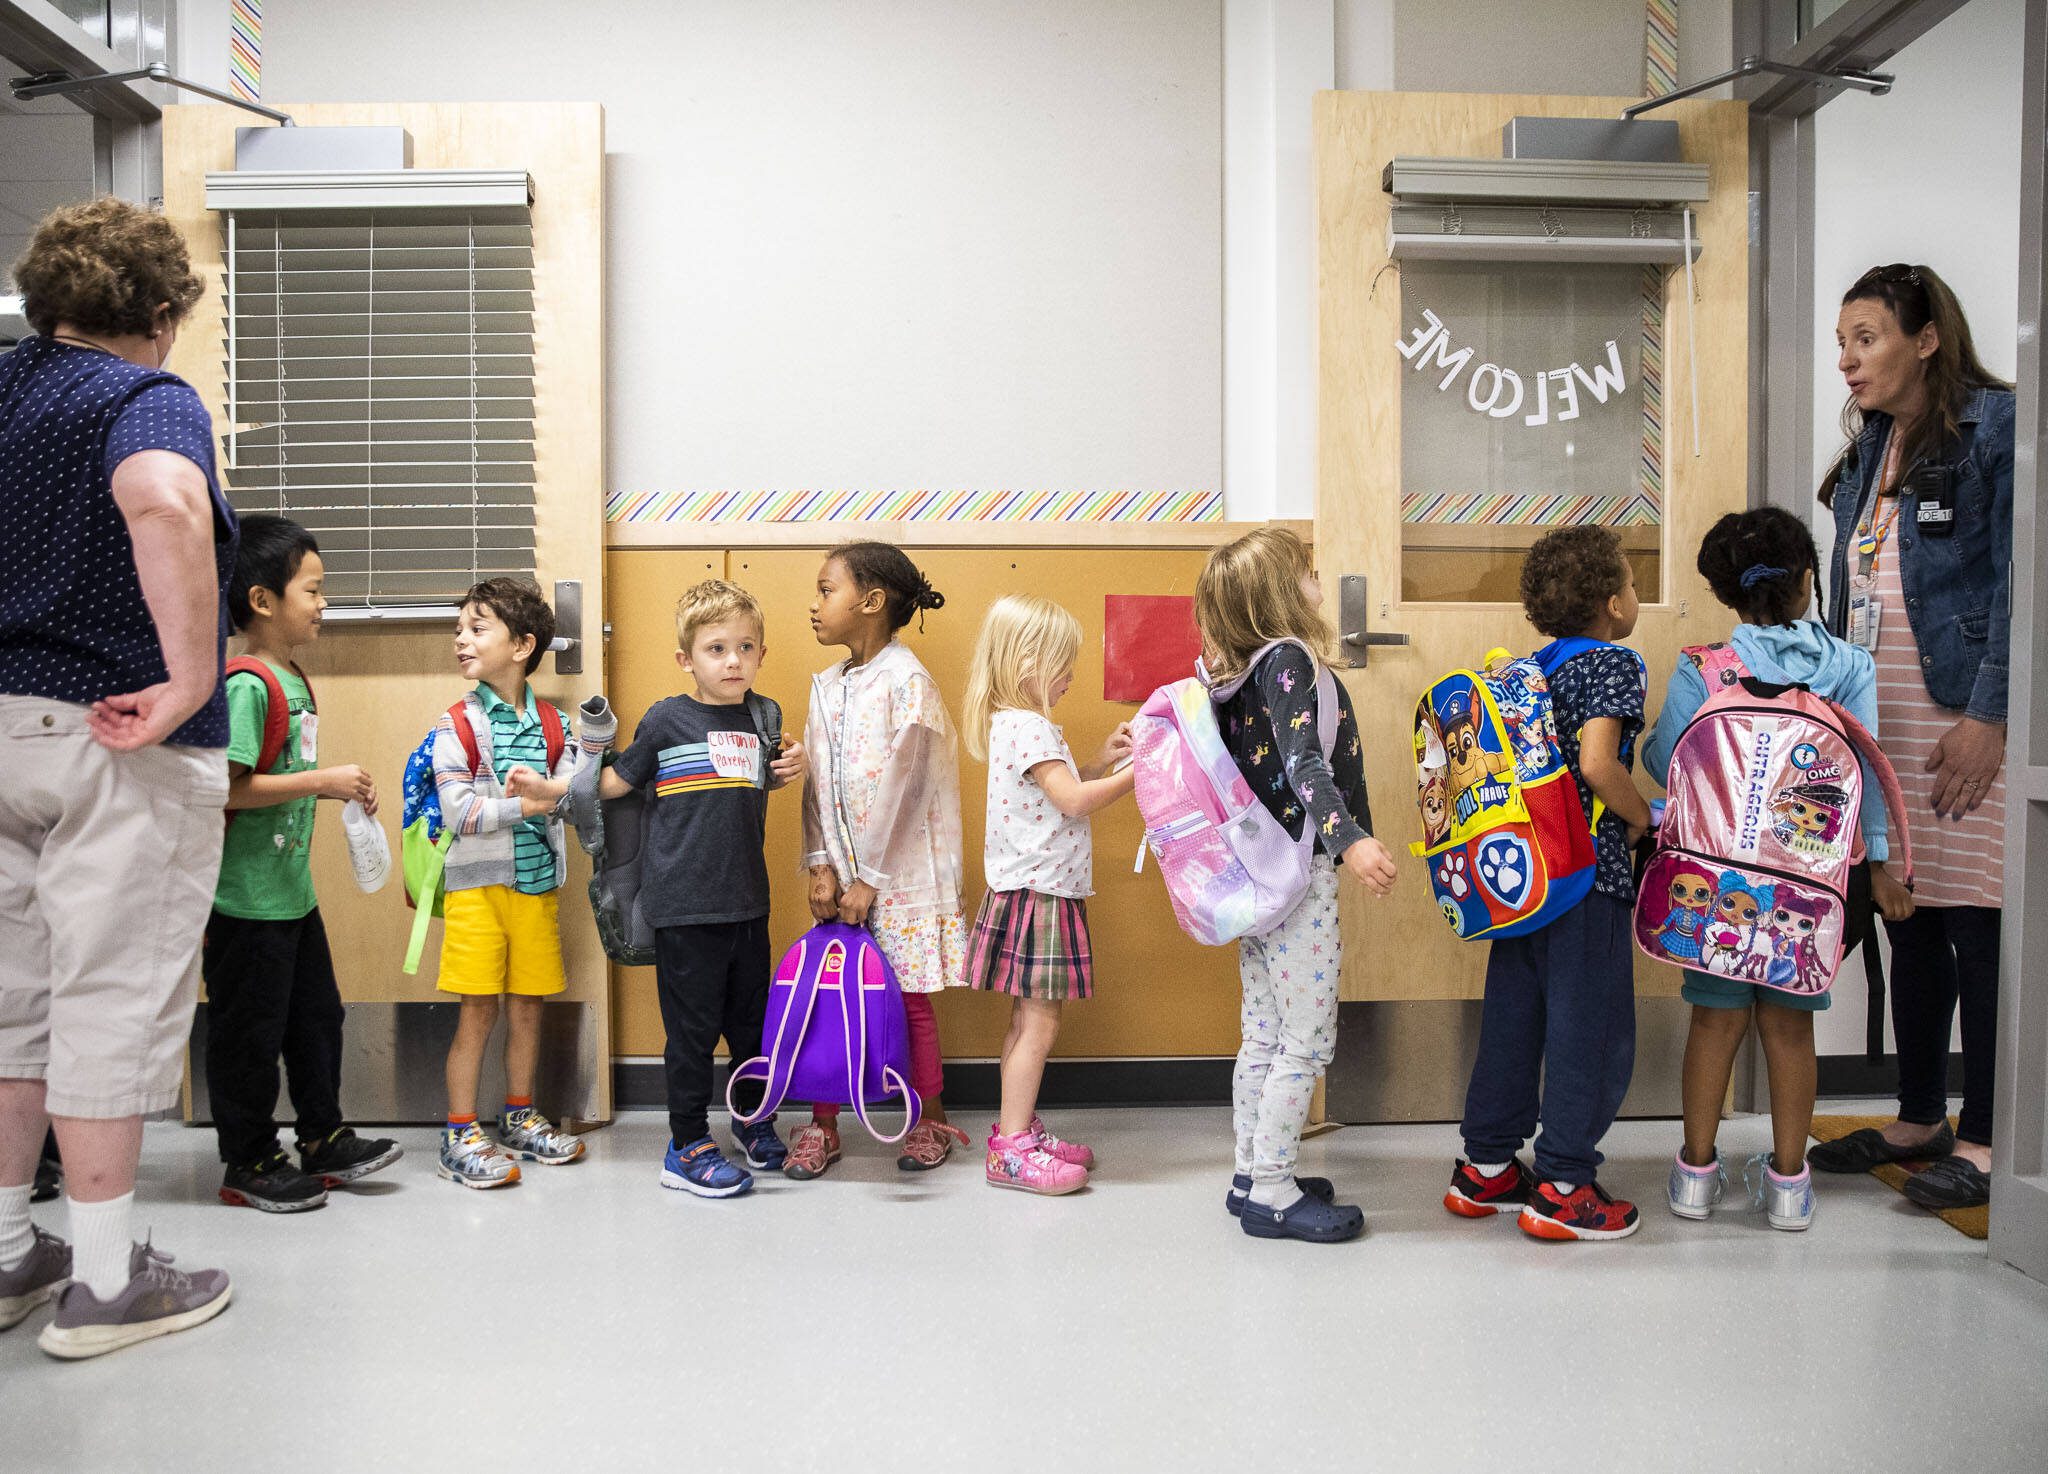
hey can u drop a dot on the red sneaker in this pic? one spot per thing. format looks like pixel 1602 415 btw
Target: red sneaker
pixel 1586 1212
pixel 1472 1195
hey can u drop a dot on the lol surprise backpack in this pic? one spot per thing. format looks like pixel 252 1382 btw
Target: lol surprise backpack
pixel 835 1030
pixel 1231 870
pixel 1751 871
pixel 1507 842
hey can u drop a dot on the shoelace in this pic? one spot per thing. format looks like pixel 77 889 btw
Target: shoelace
pixel 1755 1180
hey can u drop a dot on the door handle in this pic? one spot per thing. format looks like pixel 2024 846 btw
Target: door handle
pixel 1352 611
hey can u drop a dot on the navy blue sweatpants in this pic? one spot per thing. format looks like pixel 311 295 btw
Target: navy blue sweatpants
pixel 1557 1041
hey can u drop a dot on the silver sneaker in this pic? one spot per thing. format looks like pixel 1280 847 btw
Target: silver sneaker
pixel 1786 1202
pixel 1695 1192
pixel 45 1271
pixel 527 1134
pixel 157 1301
pixel 471 1159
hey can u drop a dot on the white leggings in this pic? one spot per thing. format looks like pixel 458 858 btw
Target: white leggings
pixel 1290 1027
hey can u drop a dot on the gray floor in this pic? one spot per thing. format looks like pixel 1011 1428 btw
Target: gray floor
pixel 588 1319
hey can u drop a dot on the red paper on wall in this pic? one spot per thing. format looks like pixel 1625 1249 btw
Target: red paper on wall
pixel 1148 640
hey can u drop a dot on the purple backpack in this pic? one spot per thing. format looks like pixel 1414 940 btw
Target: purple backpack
pixel 835 1032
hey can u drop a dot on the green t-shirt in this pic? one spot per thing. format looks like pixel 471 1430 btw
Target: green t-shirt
pixel 266 870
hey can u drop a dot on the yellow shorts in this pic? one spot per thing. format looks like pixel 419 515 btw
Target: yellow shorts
pixel 495 939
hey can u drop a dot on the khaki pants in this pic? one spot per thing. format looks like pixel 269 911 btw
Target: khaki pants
pixel 108 863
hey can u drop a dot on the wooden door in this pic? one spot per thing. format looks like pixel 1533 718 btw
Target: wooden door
pixel 1449 582
pixel 380 687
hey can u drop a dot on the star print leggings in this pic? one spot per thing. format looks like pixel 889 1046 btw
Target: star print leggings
pixel 1290 1027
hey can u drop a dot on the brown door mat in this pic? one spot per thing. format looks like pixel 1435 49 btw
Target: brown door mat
pixel 1973 1222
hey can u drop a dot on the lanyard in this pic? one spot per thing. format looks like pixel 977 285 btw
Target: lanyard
pixel 1870 538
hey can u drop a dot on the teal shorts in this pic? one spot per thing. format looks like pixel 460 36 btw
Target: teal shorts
pixel 1709 990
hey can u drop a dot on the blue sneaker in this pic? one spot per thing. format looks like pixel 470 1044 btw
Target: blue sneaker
pixel 702 1169
pixel 1241 1189
pixel 1311 1220
pixel 759 1144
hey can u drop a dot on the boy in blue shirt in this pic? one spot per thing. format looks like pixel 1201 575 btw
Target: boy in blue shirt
pixel 1560 1001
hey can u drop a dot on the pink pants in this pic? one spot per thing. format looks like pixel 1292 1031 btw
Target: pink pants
pixel 927 1073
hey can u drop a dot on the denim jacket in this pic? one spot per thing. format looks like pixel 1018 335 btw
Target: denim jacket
pixel 1958 588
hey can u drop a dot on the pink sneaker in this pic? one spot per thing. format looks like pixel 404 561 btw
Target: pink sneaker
pixel 1018 1161
pixel 1066 1151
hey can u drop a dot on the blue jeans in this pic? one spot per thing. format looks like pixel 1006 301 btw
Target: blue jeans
pixel 1558 1031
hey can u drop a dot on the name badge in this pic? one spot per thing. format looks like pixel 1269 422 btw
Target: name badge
pixel 1866 613
pixel 309 738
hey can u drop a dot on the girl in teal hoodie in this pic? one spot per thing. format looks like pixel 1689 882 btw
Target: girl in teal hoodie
pixel 1761 564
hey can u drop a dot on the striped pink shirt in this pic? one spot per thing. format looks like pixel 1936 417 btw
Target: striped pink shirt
pixel 1957 862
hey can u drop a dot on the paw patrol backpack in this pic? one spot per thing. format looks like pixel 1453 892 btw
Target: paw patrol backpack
pixel 1750 876
pixel 1506 840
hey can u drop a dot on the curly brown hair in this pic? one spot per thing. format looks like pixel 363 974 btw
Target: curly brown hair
pixel 517 604
pixel 1569 576
pixel 105 267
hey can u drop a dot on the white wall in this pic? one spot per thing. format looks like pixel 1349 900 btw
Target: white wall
pixel 872 244
pixel 1929 173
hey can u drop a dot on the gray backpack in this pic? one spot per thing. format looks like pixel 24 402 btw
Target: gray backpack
pixel 613 832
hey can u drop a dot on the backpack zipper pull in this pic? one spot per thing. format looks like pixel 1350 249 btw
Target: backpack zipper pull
pixel 1143 840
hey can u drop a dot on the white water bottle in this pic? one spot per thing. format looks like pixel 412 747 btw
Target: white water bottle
pixel 368 850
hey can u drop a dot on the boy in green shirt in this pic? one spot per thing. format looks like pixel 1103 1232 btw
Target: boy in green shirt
pixel 269 979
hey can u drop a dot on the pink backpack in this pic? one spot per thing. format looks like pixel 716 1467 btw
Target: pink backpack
pixel 1230 869
pixel 1751 872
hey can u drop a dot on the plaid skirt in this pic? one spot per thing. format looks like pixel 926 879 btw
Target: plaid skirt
pixel 1031 945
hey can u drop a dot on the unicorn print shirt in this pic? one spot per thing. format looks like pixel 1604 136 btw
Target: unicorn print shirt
pixel 704 770
pixel 1270 725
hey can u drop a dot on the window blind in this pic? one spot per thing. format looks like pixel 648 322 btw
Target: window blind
pixel 379 389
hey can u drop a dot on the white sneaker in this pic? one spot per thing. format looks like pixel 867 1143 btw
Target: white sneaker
pixel 472 1159
pixel 1787 1202
pixel 1695 1192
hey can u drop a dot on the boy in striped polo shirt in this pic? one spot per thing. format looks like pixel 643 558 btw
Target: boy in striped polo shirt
pixel 502 937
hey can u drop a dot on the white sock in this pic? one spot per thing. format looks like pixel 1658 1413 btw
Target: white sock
pixel 100 1244
pixel 16 1237
pixel 1564 1189
pixel 1277 1195
pixel 1488 1169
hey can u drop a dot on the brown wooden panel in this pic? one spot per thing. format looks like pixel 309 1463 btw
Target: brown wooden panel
pixel 1158 992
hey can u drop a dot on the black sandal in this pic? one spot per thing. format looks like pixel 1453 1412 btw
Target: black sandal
pixel 1953 1182
pixel 1859 1151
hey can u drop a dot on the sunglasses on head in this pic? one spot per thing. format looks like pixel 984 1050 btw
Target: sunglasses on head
pixel 1891 275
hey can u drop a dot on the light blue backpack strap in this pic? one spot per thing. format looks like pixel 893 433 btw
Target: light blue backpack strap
pixel 1557 652
pixel 854 1003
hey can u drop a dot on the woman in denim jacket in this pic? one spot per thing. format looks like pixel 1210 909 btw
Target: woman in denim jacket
pixel 1920 576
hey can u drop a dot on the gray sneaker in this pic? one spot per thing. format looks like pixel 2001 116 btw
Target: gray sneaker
pixel 158 1300
pixel 1694 1192
pixel 527 1134
pixel 1787 1202
pixel 35 1279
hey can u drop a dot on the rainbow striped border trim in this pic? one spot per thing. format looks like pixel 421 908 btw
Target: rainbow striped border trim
pixel 1502 509
pixel 245 49
pixel 914 506
pixel 1660 48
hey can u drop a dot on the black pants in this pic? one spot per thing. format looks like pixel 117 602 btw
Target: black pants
pixel 1942 955
pixel 711 980
pixel 270 991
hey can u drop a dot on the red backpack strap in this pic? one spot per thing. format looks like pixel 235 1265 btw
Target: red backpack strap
pixel 1887 780
pixel 551 728
pixel 277 714
pixel 458 714
pixel 1719 666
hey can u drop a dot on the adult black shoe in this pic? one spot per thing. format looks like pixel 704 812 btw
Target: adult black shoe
pixel 273 1185
pixel 342 1156
pixel 1953 1182
pixel 1859 1151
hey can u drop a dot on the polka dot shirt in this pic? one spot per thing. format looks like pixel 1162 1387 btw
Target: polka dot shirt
pixel 1031 846
pixel 73 623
